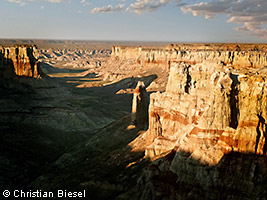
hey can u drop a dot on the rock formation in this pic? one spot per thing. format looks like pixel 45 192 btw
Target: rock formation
pixel 40 118
pixel 241 55
pixel 75 58
pixel 206 136
pixel 207 132
pixel 21 60
pixel 140 106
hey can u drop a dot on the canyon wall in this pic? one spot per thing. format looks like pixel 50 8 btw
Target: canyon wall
pixel 207 132
pixel 20 60
pixel 237 55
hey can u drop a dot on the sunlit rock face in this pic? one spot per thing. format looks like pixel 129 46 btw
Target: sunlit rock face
pixel 22 60
pixel 207 133
pixel 242 55
pixel 224 107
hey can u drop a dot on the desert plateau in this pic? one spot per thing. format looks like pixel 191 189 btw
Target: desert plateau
pixel 133 120
pixel 133 100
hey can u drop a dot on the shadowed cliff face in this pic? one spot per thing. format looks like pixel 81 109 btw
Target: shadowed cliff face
pixel 41 117
pixel 51 129
pixel 206 136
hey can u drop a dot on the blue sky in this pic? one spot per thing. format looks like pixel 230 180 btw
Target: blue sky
pixel 142 20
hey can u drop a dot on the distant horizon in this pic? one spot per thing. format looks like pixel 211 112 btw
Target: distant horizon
pixel 175 21
pixel 133 41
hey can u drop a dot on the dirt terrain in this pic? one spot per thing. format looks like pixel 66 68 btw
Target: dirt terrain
pixel 184 121
pixel 68 129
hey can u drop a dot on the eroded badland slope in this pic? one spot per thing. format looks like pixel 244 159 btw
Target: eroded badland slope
pixel 197 130
pixel 207 132
pixel 42 117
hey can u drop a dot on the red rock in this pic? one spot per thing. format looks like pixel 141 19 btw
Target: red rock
pixel 22 60
pixel 213 118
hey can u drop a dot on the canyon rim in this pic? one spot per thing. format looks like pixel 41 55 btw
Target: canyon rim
pixel 127 120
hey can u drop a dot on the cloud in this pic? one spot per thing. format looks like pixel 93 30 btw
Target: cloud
pixel 141 6
pixel 55 1
pixel 251 15
pixel 119 7
pixel 138 6
pixel 85 3
pixel 20 2
pixel 108 9
pixel 14 1
pixel 104 9
pixel 23 2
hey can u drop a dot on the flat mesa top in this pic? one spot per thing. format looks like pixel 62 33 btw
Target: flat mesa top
pixel 17 45
pixel 79 44
pixel 99 45
pixel 202 46
pixel 220 46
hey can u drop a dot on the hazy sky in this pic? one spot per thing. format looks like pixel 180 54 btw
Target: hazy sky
pixel 146 20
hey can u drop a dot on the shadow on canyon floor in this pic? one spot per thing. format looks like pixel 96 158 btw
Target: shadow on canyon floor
pixel 103 165
pixel 50 69
pixel 41 156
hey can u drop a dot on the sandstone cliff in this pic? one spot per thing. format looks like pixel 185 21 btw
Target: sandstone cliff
pixel 207 132
pixel 21 60
pixel 140 106
pixel 242 55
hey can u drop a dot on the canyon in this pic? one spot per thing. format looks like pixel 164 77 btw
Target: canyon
pixel 207 133
pixel 180 121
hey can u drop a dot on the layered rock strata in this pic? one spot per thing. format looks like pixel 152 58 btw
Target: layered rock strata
pixel 207 132
pixel 206 99
pixel 238 55
pixel 21 60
